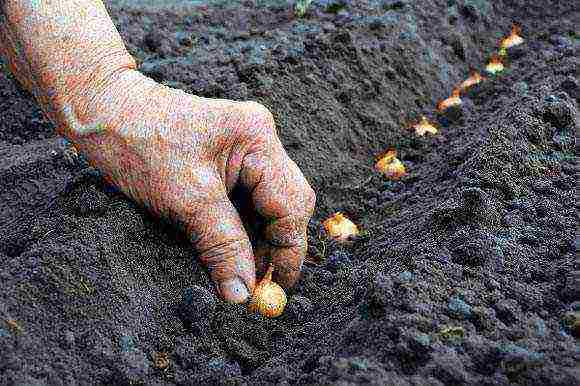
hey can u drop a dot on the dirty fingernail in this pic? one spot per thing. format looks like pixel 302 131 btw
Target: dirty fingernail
pixel 234 290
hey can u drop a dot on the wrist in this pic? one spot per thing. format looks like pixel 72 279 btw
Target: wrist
pixel 105 104
pixel 118 115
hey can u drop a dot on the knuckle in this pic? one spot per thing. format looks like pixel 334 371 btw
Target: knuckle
pixel 311 194
pixel 260 115
pixel 309 198
pixel 308 194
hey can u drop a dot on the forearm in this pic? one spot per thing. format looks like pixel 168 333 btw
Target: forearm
pixel 66 53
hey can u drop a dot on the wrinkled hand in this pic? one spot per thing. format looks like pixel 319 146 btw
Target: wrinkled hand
pixel 177 154
pixel 181 155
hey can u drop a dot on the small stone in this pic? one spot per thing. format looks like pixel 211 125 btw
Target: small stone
pixel 452 334
pixel 405 277
pixel 358 363
pixel 222 368
pixel 560 41
pixel 521 88
pixel 540 327
pixel 126 343
pixel 459 309
pixel 423 339
pixel 513 220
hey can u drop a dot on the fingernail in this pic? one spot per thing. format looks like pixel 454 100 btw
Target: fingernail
pixel 234 290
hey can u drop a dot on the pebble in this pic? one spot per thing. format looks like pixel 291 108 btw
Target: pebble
pixel 520 87
pixel 223 368
pixel 406 277
pixel 560 41
pixel 445 259
pixel 540 327
pixel 459 309
pixel 563 141
pixel 423 339
pixel 127 343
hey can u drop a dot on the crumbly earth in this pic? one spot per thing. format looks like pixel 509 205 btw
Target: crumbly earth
pixel 466 271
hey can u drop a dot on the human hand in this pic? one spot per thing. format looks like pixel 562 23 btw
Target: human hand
pixel 181 155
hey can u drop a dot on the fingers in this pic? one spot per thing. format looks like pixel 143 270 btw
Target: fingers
pixel 283 196
pixel 217 232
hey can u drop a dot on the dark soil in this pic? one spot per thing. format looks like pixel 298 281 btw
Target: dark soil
pixel 466 272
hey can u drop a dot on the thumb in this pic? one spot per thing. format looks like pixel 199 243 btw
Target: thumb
pixel 217 232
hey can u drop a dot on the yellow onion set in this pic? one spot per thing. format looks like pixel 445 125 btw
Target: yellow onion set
pixel 268 298
pixel 513 39
pixel 424 126
pixel 474 78
pixel 340 227
pixel 390 165
pixel 453 100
